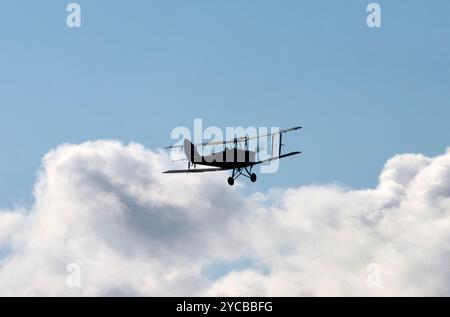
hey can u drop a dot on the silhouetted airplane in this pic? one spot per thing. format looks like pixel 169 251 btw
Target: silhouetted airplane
pixel 241 161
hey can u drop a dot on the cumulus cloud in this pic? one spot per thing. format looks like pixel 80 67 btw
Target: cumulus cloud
pixel 134 231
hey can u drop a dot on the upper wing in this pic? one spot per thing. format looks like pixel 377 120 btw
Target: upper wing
pixel 246 138
pixel 195 170
pixel 240 139
pixel 277 157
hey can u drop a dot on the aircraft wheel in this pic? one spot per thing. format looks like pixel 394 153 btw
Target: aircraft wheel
pixel 230 181
pixel 253 177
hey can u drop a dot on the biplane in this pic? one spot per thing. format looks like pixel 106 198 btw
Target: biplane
pixel 236 158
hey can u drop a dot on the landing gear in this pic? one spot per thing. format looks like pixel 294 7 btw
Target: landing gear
pixel 244 172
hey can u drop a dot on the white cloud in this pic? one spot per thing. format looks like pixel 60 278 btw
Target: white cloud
pixel 135 231
pixel 9 222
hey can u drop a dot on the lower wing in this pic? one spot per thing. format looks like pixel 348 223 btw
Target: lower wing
pixel 204 170
pixel 195 170
pixel 277 157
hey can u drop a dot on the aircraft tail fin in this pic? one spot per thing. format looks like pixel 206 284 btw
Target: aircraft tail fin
pixel 191 152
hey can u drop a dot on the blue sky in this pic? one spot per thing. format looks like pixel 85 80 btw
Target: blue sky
pixel 134 71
